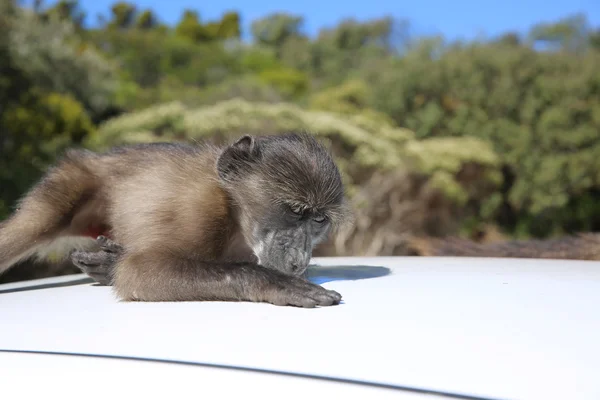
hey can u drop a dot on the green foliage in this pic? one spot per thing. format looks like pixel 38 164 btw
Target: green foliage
pixel 34 130
pixel 123 15
pixel 290 82
pixel 259 58
pixel 226 28
pixel 351 97
pixel 164 121
pixel 275 29
pixel 66 10
pixel 190 27
pixel 151 56
pixel 55 59
pixel 368 143
pixel 540 111
pixel 263 62
pixel 390 105
pixel 146 20
pixel 41 111
pixel 248 87
pixel 571 33
pixel 54 121
pixel 353 48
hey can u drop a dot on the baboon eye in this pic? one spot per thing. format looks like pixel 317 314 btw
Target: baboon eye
pixel 320 219
pixel 297 210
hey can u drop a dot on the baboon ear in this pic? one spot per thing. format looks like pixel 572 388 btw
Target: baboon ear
pixel 238 157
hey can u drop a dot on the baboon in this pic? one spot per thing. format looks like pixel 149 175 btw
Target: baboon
pixel 188 222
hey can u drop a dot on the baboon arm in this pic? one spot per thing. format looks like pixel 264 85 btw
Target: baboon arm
pixel 152 277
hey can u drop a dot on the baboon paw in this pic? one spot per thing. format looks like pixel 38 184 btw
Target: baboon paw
pixel 300 293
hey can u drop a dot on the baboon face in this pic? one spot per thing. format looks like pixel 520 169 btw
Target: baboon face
pixel 289 194
pixel 286 236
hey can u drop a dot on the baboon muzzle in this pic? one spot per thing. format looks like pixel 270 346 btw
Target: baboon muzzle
pixel 288 251
pixel 296 261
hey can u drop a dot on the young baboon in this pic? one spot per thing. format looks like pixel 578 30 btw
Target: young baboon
pixel 189 222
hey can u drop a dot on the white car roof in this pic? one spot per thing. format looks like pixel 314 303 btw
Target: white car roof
pixel 489 328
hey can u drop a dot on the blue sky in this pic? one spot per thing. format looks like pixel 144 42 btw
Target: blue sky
pixel 455 19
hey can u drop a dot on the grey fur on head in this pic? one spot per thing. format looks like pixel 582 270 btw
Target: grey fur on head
pixel 289 186
pixel 294 167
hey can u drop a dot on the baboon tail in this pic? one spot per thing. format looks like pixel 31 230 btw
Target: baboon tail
pixel 47 210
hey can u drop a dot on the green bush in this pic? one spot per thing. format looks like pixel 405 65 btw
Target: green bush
pixel 40 112
pixel 55 59
pixel 540 111
pixel 35 131
pixel 290 82
pixel 361 144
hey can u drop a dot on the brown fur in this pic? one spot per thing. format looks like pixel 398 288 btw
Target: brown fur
pixel 584 246
pixel 178 211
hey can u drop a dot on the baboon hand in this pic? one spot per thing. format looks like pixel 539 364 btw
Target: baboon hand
pixel 295 291
pixel 99 264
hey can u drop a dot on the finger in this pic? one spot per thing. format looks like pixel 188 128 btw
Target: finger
pixel 335 295
pixel 89 258
pixel 318 289
pixel 303 301
pixel 324 296
pixel 291 297
pixel 308 303
pixel 108 245
pixel 323 299
pixel 312 297
pixel 320 294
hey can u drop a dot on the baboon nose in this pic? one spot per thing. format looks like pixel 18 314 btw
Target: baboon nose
pixel 296 261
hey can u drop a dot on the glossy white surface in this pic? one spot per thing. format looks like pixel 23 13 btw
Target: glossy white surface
pixel 62 377
pixel 513 329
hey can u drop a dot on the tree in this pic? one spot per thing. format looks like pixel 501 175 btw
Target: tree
pixel 69 10
pixel 146 20
pixel 352 47
pixel 353 35
pixel 570 34
pixel 190 27
pixel 35 122
pixel 594 39
pixel 539 109
pixel 56 59
pixel 274 30
pixel 226 28
pixel 123 15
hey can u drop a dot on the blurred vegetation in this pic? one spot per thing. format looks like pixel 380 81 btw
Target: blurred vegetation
pixel 433 137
